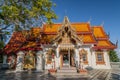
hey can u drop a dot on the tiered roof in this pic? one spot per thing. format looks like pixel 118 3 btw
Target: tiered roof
pixel 20 40
pixel 15 42
pixel 81 28
pixel 91 35
pixel 102 38
pixel 51 29
pixel 99 32
pixel 36 36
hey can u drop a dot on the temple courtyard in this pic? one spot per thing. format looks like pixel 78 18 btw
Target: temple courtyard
pixel 113 74
pixel 65 51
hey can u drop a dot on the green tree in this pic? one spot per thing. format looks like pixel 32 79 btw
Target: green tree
pixel 113 56
pixel 1 44
pixel 23 12
pixel 18 15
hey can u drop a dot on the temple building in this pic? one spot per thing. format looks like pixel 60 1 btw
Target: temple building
pixel 57 45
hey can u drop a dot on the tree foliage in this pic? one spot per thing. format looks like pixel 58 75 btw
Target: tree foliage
pixel 1 44
pixel 23 14
pixel 19 12
pixel 113 56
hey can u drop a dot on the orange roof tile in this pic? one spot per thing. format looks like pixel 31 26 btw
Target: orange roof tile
pixel 81 27
pixel 30 44
pixel 47 38
pixel 88 38
pixel 15 42
pixel 51 28
pixel 36 31
pixel 98 32
pixel 104 44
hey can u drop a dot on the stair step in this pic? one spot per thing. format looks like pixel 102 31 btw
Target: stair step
pixel 67 71
pixel 68 74
pixel 68 68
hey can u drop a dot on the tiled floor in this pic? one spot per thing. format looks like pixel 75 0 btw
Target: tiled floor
pixel 92 75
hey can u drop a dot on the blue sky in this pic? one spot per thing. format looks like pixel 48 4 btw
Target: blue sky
pixel 99 11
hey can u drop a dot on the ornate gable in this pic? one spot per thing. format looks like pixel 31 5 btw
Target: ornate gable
pixel 66 33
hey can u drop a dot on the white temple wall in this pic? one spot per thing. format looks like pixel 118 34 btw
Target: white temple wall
pixel 93 59
pixel 77 57
pixel 57 58
pixel 20 60
pixel 106 60
pixel 47 66
pixel 39 61
pixel 89 56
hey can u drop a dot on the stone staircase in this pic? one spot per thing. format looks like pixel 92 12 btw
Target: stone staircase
pixel 68 72
pixel 67 69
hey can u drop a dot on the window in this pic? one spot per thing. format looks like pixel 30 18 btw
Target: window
pixel 49 56
pixel 83 55
pixel 99 58
pixel 49 59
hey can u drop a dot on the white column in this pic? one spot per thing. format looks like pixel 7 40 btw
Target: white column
pixel 77 57
pixel 20 59
pixel 69 56
pixel 57 58
pixel 4 59
pixel 39 65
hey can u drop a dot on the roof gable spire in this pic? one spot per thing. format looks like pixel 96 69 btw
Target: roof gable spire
pixel 66 21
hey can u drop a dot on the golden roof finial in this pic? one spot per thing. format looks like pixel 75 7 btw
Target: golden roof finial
pixel 89 19
pixel 102 24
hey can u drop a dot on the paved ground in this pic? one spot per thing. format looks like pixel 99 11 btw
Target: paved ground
pixel 92 75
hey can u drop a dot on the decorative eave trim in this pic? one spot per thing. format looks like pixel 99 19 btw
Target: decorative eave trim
pixel 33 49
pixel 104 47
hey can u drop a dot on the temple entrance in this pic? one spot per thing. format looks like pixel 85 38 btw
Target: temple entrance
pixel 67 58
